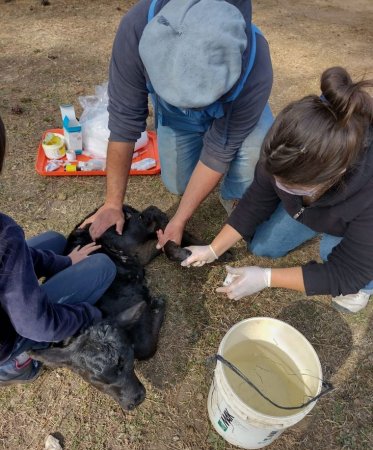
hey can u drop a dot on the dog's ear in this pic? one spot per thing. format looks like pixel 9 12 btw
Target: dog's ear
pixel 53 356
pixel 131 315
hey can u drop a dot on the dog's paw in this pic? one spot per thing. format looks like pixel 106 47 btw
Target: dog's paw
pixel 174 252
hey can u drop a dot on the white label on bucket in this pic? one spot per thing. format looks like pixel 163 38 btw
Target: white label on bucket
pixel 225 420
pixel 270 437
pixel 239 431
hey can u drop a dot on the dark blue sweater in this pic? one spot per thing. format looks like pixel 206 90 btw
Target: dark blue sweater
pixel 24 308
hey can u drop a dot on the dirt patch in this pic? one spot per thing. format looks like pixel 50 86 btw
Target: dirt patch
pixel 51 55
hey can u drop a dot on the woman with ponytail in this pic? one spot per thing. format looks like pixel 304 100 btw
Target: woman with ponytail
pixel 315 176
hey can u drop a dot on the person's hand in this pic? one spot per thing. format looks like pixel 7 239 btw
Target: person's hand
pixel 104 218
pixel 80 253
pixel 246 281
pixel 201 255
pixel 173 232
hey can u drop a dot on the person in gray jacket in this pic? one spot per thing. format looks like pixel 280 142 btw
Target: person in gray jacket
pixel 315 176
pixel 208 71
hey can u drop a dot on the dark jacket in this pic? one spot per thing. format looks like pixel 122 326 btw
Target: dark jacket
pixel 345 210
pixel 24 308
pixel 128 95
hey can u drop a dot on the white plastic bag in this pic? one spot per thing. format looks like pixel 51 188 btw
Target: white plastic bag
pixel 94 121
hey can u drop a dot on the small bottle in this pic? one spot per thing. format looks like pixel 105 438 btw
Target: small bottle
pixel 144 164
pixel 95 164
pixel 71 155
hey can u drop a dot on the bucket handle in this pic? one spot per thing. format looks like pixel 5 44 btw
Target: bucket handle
pixel 327 387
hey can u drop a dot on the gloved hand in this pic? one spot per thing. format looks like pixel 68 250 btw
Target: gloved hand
pixel 246 281
pixel 201 255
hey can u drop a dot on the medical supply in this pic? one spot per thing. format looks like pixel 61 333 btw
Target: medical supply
pixel 229 279
pixel 70 168
pixel 144 164
pixel 72 129
pixel 92 164
pixel 54 146
pixel 70 156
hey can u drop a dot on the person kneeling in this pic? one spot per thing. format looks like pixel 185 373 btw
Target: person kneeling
pixel 315 175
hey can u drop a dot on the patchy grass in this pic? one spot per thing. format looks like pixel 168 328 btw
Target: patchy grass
pixel 53 54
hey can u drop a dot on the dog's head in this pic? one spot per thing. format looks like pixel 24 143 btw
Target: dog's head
pixel 153 219
pixel 138 229
pixel 103 355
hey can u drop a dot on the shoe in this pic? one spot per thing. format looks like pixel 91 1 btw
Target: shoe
pixel 228 205
pixel 351 303
pixel 21 374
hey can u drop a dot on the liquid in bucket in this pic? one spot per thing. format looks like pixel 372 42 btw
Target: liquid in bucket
pixel 277 360
pixel 272 371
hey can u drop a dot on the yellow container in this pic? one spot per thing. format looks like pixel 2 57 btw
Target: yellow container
pixel 54 146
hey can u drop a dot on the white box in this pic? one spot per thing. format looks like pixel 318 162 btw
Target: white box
pixel 72 129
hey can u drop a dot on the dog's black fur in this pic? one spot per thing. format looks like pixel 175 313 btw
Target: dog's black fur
pixel 104 353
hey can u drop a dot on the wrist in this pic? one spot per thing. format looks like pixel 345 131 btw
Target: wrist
pixel 179 221
pixel 268 276
pixel 213 251
pixel 113 205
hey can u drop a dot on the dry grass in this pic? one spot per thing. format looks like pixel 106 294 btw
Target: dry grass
pixel 53 54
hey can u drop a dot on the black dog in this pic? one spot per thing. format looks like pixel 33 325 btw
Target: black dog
pixel 104 353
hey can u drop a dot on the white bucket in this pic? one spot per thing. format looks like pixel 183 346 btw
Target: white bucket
pixel 268 343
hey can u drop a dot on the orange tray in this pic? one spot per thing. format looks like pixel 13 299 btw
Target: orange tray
pixel 149 151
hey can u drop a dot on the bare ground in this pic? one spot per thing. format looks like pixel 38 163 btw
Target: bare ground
pixel 51 55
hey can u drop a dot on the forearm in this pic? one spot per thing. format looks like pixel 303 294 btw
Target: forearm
pixel 226 238
pixel 118 165
pixel 201 183
pixel 290 278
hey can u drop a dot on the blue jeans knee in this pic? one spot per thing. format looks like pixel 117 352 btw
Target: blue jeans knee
pixel 85 281
pixel 280 234
pixel 49 240
pixel 261 249
pixel 179 152
pixel 327 243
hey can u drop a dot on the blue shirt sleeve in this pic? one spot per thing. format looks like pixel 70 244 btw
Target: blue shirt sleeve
pixel 47 263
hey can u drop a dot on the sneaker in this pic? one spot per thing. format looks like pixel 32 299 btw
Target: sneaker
pixel 24 373
pixel 351 303
pixel 228 205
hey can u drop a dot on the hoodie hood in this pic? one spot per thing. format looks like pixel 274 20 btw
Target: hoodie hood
pixel 245 8
pixel 193 51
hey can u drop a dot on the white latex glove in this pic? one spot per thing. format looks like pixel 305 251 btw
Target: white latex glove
pixel 201 255
pixel 246 281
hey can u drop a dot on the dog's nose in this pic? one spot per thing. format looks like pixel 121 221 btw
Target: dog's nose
pixel 140 397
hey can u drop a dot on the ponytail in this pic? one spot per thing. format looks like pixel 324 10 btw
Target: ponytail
pixel 315 139
pixel 347 99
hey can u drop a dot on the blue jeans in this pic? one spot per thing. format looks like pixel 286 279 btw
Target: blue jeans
pixel 281 233
pixel 179 152
pixel 85 281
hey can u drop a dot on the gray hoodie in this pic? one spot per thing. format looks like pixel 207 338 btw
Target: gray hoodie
pixel 128 95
